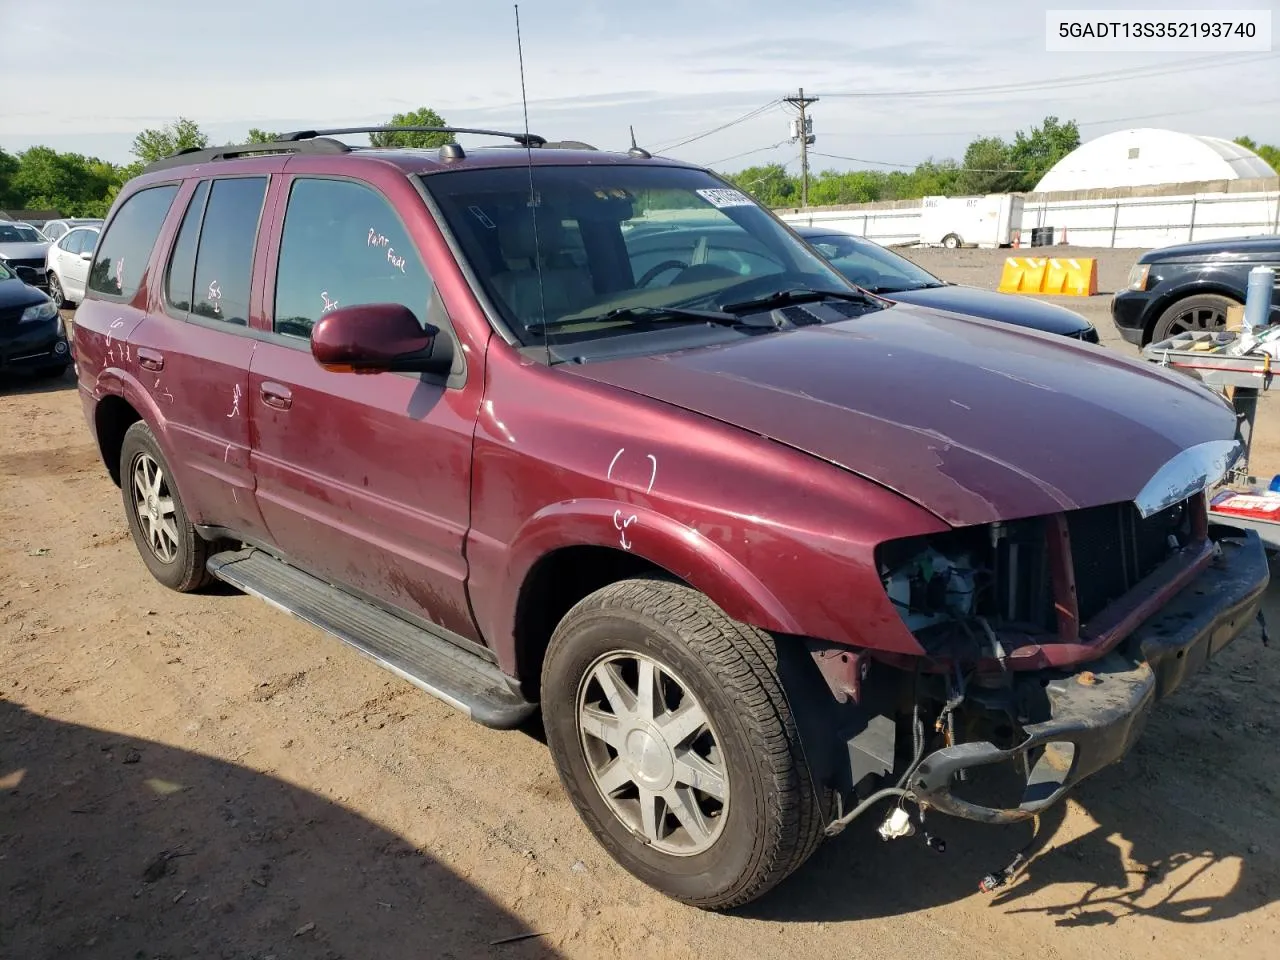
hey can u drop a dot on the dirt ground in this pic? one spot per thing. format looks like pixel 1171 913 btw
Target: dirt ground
pixel 203 776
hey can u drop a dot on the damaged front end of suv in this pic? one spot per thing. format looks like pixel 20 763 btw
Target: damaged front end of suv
pixel 1046 641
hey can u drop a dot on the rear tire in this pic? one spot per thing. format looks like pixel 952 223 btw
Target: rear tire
pixel 1202 313
pixel 742 813
pixel 167 542
pixel 56 293
pixel 951 241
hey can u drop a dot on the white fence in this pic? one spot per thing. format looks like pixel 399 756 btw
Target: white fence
pixel 1127 221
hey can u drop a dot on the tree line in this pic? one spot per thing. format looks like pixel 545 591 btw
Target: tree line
pixel 75 185
pixel 41 178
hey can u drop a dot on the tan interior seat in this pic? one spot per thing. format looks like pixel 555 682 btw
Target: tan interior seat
pixel 566 287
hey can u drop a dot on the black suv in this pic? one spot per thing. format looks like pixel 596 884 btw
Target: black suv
pixel 1190 286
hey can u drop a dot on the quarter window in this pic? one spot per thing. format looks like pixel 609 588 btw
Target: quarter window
pixel 126 247
pixel 343 245
pixel 182 262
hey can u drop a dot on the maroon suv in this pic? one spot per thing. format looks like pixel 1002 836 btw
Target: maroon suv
pixel 763 549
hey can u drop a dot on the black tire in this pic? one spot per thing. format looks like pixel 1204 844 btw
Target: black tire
pixel 773 821
pixel 185 571
pixel 1204 312
pixel 951 241
pixel 55 291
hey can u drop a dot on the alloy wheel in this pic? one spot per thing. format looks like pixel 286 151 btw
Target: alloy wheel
pixel 652 753
pixel 155 508
pixel 1198 319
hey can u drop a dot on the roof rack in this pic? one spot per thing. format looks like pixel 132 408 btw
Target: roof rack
pixel 529 139
pixel 317 141
pixel 190 155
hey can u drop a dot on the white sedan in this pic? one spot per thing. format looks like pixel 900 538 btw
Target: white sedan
pixel 67 265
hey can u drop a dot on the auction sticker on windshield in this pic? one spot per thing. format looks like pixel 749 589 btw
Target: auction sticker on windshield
pixel 725 197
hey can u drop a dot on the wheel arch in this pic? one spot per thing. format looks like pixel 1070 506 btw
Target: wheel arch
pixel 568 551
pixel 121 403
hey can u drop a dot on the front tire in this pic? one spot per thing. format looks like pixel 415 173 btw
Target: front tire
pixel 1202 313
pixel 169 545
pixel 673 739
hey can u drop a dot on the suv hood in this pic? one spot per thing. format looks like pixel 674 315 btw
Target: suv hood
pixel 1262 248
pixel 973 421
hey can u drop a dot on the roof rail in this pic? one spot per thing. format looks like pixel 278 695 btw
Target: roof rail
pixel 190 155
pixel 317 141
pixel 530 139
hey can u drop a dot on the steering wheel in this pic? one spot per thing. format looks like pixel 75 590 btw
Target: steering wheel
pixel 663 267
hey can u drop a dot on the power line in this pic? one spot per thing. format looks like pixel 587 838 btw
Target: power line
pixel 1080 80
pixel 913 166
pixel 751 115
pixel 747 153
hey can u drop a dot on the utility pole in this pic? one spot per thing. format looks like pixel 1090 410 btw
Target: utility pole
pixel 803 131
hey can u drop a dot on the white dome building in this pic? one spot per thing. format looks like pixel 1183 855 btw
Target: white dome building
pixel 1146 156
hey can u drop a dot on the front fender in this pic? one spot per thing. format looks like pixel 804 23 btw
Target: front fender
pixel 679 549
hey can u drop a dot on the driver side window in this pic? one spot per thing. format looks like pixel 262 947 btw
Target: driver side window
pixel 343 245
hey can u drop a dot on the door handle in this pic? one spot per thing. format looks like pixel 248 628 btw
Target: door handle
pixel 150 359
pixel 276 395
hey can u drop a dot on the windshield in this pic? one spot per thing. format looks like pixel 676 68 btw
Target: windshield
pixel 13 233
pixel 871 266
pixel 607 237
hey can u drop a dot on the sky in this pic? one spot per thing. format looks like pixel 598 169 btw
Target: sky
pixel 594 68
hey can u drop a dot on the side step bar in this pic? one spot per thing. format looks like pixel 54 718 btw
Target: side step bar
pixel 459 678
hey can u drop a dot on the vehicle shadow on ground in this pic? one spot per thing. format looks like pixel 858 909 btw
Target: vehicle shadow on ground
pixel 17 384
pixel 1120 863
pixel 112 847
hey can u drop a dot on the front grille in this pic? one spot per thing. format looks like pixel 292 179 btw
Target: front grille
pixel 9 317
pixel 1113 547
pixel 35 264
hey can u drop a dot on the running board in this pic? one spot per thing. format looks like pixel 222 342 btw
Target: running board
pixel 458 677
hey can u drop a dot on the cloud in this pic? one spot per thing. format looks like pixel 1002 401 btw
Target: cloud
pixel 593 69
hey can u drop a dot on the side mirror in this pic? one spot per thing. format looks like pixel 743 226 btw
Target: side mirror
pixel 28 275
pixel 86 255
pixel 377 338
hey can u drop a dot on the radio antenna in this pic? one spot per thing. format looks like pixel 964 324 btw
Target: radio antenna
pixel 533 196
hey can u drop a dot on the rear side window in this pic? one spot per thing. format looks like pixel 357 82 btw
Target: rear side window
pixel 343 245
pixel 224 256
pixel 182 262
pixel 126 247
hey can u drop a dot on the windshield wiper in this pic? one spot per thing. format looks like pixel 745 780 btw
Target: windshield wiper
pixel 655 315
pixel 786 298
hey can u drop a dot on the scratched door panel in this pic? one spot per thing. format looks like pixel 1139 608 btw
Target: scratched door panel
pixel 364 480
pixel 201 392
pixel 361 479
